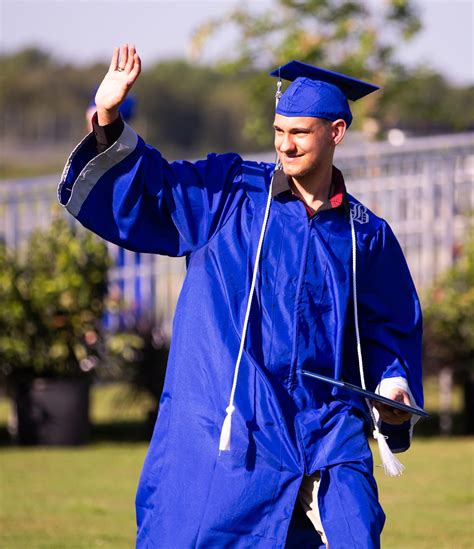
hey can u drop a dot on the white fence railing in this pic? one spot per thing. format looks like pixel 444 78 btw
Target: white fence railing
pixel 424 188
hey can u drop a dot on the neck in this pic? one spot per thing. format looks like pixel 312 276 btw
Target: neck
pixel 314 187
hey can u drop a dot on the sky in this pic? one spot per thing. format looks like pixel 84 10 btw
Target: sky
pixel 83 31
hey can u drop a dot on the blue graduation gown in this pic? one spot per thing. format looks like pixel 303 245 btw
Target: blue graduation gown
pixel 284 426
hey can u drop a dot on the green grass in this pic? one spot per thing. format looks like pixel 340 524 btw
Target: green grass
pixel 58 498
pixel 68 498
pixel 84 497
pixel 432 503
pixel 76 497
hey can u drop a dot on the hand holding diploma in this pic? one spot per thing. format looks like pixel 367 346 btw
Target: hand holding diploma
pixel 395 409
pixel 391 415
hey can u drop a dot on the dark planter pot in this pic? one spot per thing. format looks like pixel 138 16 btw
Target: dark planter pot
pixel 52 411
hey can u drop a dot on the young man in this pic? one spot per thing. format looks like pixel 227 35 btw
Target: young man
pixel 268 294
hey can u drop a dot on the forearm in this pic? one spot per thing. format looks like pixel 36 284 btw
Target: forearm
pixel 106 135
pixel 107 117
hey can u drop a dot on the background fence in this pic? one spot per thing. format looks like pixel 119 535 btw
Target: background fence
pixel 424 188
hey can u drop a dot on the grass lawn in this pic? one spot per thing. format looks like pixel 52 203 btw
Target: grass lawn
pixel 68 498
pixel 84 497
pixel 432 503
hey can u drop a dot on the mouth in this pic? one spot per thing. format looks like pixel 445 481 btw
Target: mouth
pixel 290 159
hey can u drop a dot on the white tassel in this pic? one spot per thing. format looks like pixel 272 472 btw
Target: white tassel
pixel 226 431
pixel 391 465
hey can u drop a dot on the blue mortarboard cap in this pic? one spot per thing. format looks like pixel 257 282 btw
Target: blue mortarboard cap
pixel 319 92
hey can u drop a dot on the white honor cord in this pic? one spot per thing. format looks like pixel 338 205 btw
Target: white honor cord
pixel 224 442
pixel 391 464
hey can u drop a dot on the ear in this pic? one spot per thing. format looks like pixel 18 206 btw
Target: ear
pixel 338 129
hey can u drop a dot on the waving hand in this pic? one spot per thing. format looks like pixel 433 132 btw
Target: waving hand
pixel 123 71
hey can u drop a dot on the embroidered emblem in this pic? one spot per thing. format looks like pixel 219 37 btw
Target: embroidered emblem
pixel 359 213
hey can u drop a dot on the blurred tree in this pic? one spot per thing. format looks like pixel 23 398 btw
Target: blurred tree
pixel 187 110
pixel 356 38
pixel 42 100
pixel 53 300
pixel 449 328
pixel 421 101
pixel 52 341
pixel 183 109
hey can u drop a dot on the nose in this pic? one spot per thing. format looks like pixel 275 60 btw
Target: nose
pixel 287 144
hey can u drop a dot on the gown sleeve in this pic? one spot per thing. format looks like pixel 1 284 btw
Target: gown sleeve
pixel 131 196
pixel 390 321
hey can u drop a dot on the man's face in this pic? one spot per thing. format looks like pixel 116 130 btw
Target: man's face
pixel 303 143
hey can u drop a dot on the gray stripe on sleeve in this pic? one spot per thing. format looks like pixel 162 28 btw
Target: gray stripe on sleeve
pixel 96 168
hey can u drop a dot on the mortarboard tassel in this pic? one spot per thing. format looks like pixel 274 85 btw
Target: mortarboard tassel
pixel 392 466
pixel 278 93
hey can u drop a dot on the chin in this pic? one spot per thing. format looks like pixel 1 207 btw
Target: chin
pixel 295 171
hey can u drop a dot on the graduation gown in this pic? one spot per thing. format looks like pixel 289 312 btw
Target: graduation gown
pixel 285 426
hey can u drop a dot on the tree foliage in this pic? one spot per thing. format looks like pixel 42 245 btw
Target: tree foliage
pixel 355 38
pixel 181 108
pixel 421 101
pixel 53 299
pixel 449 317
pixel 187 110
pixel 42 100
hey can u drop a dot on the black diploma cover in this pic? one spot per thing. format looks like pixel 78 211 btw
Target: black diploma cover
pixel 368 394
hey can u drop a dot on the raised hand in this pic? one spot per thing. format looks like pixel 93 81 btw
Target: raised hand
pixel 123 71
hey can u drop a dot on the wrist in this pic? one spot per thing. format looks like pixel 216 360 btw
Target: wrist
pixel 106 117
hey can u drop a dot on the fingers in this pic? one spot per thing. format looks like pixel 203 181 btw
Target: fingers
pixel 114 61
pixel 406 399
pixel 392 415
pixel 137 67
pixel 400 395
pixel 123 57
pixel 130 59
